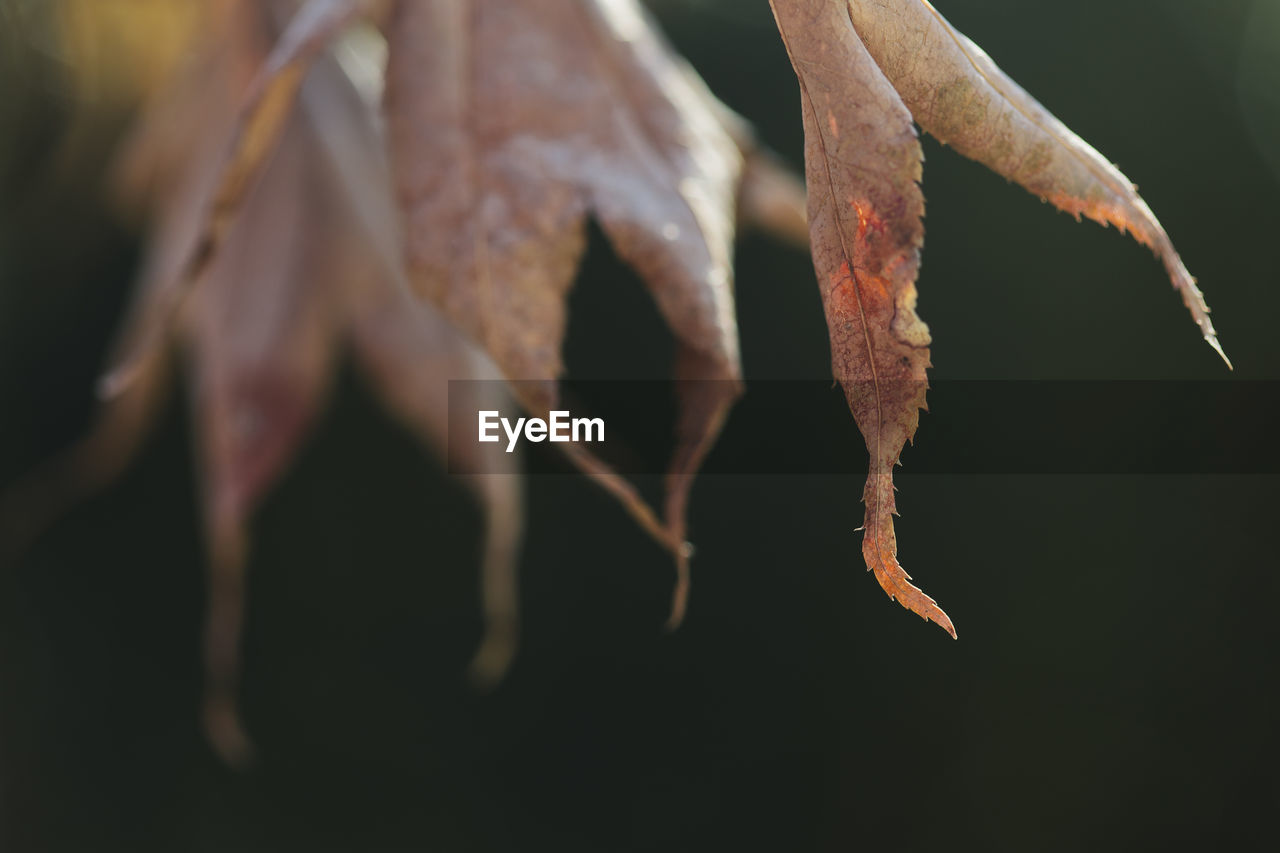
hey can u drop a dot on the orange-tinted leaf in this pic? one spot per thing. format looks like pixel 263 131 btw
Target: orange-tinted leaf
pixel 863 162
pixel 959 95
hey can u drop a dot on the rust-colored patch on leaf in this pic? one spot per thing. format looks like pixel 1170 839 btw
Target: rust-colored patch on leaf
pixel 867 250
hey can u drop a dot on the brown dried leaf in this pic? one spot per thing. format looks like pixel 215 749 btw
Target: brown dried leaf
pixel 311 259
pixel 960 96
pixel 571 109
pixel 353 258
pixel 509 125
pixel 409 352
pixel 259 125
pixel 863 162
pixel 866 69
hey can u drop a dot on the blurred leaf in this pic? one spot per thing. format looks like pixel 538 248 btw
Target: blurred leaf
pixel 311 263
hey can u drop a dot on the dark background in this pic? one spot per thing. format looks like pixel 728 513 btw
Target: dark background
pixel 1114 684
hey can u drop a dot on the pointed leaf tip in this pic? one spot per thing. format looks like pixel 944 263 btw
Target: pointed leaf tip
pixel 865 212
pixel 961 97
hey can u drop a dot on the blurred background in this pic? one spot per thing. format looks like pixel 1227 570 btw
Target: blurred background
pixel 1115 681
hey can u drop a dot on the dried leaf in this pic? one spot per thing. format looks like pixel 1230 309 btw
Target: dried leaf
pixel 867 68
pixel 509 125
pixel 497 167
pixel 312 258
pixel 409 352
pixel 261 333
pixel 960 96
pixel 862 163
pixel 260 124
